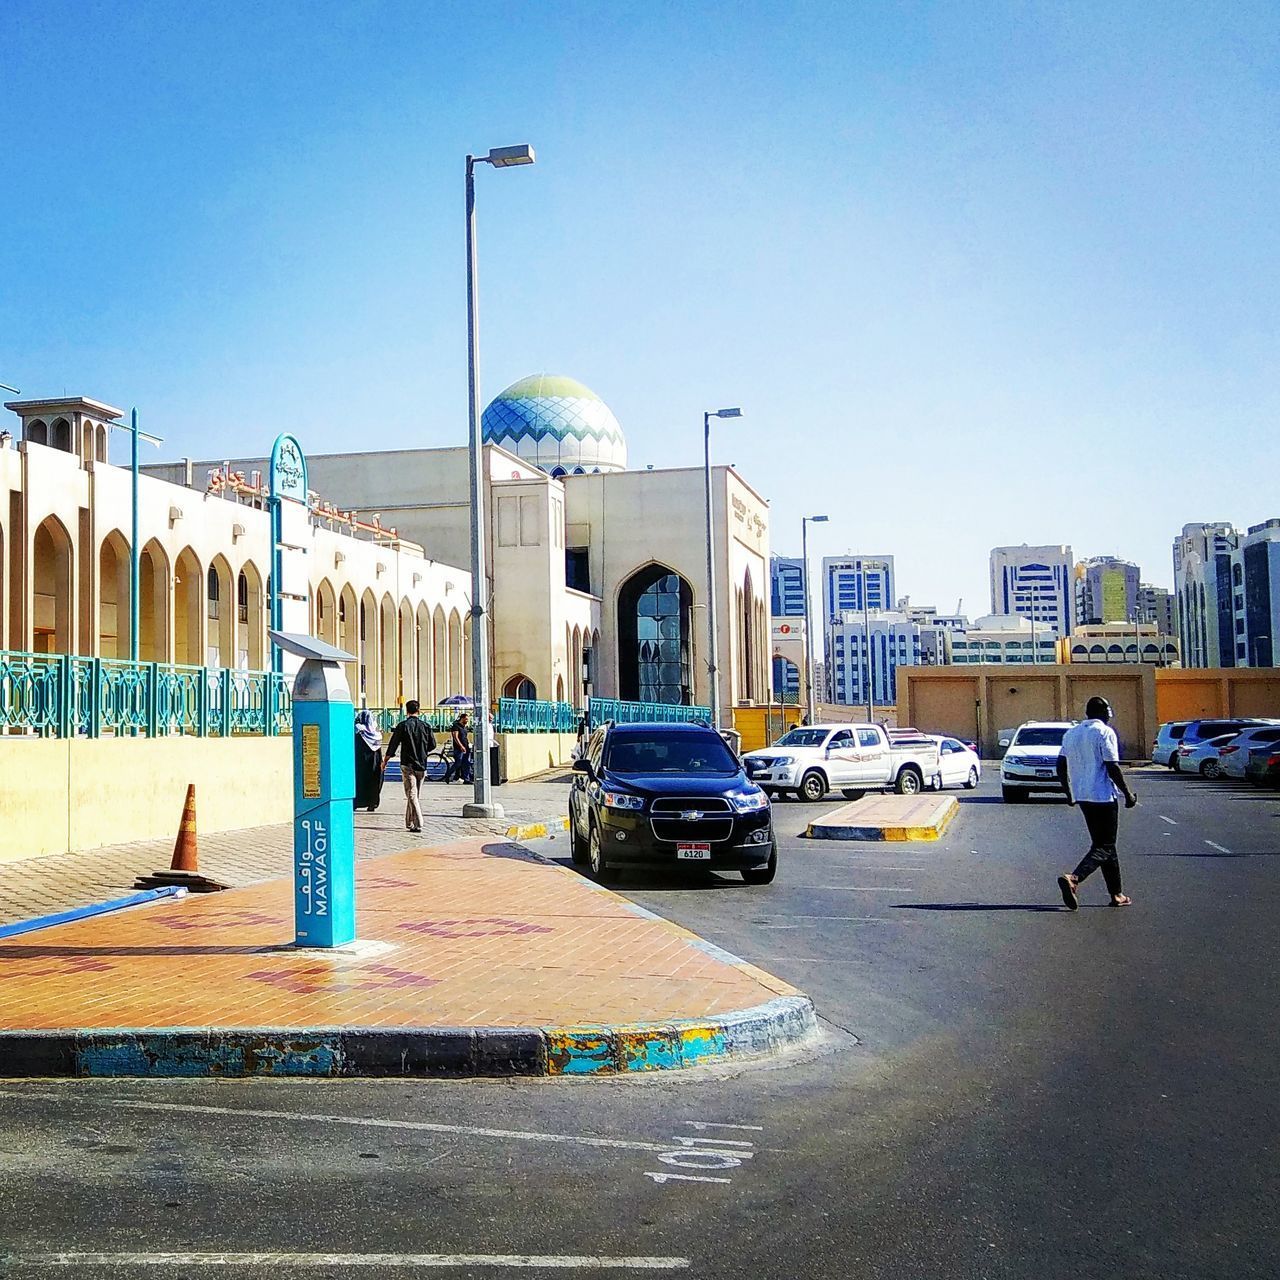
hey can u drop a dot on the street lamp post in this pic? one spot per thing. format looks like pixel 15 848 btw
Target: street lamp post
pixel 134 558
pixel 483 805
pixel 810 700
pixel 713 645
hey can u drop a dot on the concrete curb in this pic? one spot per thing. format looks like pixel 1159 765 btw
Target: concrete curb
pixel 537 830
pixel 768 1028
pixel 824 830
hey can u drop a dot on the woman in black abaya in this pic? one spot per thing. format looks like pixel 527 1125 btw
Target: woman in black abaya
pixel 368 762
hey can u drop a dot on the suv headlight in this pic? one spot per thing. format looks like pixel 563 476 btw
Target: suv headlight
pixel 749 801
pixel 784 759
pixel 622 800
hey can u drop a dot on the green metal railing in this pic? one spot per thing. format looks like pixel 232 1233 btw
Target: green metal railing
pixel 601 709
pixel 62 695
pixel 386 718
pixel 521 715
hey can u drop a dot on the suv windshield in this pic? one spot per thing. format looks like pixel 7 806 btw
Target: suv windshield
pixel 660 752
pixel 1039 736
pixel 803 738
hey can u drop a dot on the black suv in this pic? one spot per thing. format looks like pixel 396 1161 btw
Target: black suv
pixel 667 795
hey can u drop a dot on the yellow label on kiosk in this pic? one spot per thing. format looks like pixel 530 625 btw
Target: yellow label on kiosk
pixel 311 761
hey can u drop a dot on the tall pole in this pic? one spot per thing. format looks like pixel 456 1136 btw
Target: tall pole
pixel 713 644
pixel 866 640
pixel 810 701
pixel 483 805
pixel 134 557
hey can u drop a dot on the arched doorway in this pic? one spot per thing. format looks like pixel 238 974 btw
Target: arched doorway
pixel 153 604
pixel 249 610
pixel 654 608
pixel 388 683
pixel 439 656
pixel 457 667
pixel 113 594
pixel 188 597
pixel 407 667
pixel 368 650
pixel 327 613
pixel 349 636
pixel 520 686
pixel 53 626
pixel 220 610
pixel 425 690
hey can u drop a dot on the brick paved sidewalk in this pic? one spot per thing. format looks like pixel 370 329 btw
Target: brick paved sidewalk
pixel 473 934
pixel 57 882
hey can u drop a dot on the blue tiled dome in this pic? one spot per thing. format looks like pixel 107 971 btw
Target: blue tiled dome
pixel 557 424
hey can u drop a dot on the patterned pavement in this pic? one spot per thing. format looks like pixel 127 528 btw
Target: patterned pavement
pixel 42 886
pixel 473 933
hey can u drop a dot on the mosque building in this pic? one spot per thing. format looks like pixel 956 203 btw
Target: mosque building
pixel 597 573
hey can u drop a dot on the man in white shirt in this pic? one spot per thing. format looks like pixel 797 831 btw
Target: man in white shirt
pixel 1090 769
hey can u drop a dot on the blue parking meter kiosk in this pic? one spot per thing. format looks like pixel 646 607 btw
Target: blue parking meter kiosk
pixel 324 786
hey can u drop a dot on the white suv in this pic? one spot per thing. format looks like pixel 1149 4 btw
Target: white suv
pixel 1031 763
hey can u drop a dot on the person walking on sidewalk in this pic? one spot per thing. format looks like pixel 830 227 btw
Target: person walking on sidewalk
pixel 458 733
pixel 413 738
pixel 368 761
pixel 1089 767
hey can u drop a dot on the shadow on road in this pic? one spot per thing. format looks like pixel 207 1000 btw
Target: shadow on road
pixel 977 906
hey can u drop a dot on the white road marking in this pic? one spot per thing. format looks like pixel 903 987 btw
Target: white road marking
pixel 713 1124
pixel 1219 847
pixel 555 1261
pixel 858 888
pixel 1170 821
pixel 769 925
pixel 371 1122
pixel 683 1177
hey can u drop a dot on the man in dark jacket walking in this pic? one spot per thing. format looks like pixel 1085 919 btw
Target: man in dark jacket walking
pixel 413 738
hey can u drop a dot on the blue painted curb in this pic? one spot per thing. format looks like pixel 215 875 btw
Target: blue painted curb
pixel 93 909
pixel 766 1029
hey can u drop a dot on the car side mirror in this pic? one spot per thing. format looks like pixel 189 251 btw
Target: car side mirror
pixel 582 765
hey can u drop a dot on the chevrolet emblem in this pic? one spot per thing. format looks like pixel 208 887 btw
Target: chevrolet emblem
pixel 691 815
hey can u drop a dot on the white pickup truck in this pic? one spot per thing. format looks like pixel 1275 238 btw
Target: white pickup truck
pixel 811 760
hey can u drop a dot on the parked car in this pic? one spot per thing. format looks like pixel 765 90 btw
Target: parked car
pixel 958 763
pixel 1202 757
pixel 1031 763
pixel 812 759
pixel 1202 730
pixel 668 795
pixel 1168 736
pixel 1263 769
pixel 1234 757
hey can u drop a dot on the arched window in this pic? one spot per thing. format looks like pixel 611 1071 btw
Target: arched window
pixel 557 473
pixel 242 597
pixel 654 608
pixel 579 471
pixel 215 602
pixel 520 686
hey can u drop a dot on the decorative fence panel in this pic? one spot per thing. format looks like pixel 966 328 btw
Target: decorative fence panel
pixel 520 715
pixel 601 709
pixel 67 695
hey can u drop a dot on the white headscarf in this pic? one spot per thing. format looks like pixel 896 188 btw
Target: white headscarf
pixel 366 729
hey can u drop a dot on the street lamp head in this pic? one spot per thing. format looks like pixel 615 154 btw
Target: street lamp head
pixel 504 157
pixel 817 519
pixel 726 413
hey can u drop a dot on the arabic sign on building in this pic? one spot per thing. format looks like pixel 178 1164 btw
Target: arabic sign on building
pixel 288 470
pixel 791 629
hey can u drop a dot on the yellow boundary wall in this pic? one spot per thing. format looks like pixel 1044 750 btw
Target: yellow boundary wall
pixel 64 794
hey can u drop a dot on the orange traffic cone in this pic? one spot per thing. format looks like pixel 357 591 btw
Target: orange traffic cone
pixel 185 850
pixel 183 869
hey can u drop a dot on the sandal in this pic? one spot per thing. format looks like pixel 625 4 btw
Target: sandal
pixel 1122 901
pixel 1069 898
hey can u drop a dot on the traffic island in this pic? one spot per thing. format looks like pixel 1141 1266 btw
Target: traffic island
pixel 475 958
pixel 887 817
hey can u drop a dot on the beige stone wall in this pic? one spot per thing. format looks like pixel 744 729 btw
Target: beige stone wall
pixel 65 794
pixel 525 754
pixel 978 701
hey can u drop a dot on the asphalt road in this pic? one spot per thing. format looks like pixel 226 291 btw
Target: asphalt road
pixel 1004 1089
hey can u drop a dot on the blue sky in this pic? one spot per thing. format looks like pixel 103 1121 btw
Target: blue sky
pixel 977 273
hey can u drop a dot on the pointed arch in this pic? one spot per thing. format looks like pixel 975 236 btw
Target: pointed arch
pixel 349 635
pixel 154 604
pixel 407 663
pixel 521 687
pixel 653 628
pixel 388 681
pixel 53 581
pixel 188 609
pixel 441 676
pixel 88 443
pixel 326 612
pixel 368 649
pixel 113 595
pixel 60 435
pixel 38 432
pixel 426 689
pixel 220 610
pixel 250 618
